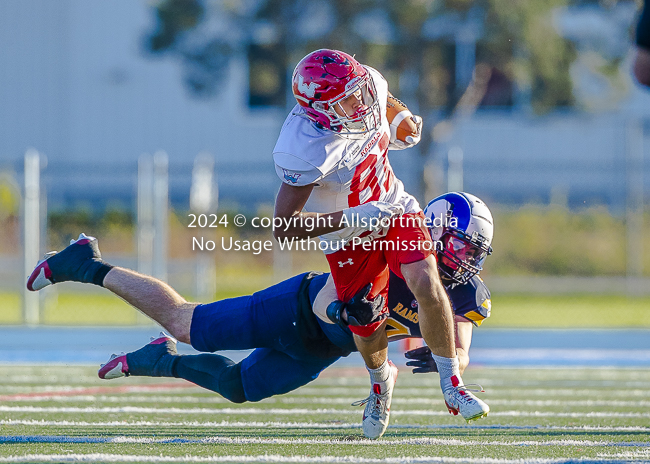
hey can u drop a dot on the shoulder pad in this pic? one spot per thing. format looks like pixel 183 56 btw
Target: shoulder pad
pixel 377 77
pixel 471 300
pixel 481 313
pixel 305 152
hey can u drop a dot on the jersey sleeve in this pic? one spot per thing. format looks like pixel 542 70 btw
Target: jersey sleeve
pixel 294 171
pixel 471 300
pixel 300 150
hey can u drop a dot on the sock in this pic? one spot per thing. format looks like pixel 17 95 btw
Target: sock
pixel 379 375
pixel 214 372
pixel 79 264
pixel 94 271
pixel 448 369
pixel 153 360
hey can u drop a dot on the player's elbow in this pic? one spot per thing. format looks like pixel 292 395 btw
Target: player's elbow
pixel 279 234
pixel 281 226
pixel 287 233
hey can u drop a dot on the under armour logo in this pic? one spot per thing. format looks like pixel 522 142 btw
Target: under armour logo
pixel 308 89
pixel 343 263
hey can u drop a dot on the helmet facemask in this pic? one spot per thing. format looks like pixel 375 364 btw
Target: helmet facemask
pixel 355 111
pixel 462 256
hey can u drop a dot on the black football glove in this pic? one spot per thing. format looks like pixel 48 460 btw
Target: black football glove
pixel 362 311
pixel 358 311
pixel 422 360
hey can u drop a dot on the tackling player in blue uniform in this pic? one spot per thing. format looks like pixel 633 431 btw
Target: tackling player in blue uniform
pixel 297 327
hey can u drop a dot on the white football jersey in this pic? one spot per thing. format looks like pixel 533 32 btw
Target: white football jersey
pixel 346 172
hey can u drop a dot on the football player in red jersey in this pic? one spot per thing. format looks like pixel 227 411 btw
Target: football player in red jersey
pixel 332 157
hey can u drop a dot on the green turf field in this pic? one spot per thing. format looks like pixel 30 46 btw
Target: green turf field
pixel 561 311
pixel 66 414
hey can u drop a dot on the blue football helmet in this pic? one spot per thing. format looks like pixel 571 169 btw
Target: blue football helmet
pixel 462 228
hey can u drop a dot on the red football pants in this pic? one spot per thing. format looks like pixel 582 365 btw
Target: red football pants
pixel 356 265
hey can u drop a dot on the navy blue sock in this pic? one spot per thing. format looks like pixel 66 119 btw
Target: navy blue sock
pixel 153 360
pixel 79 263
pixel 212 371
pixel 94 271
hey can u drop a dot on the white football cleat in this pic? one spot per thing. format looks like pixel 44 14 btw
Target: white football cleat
pixel 377 412
pixel 115 367
pixel 459 399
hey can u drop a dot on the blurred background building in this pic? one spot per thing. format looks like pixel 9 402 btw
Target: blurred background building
pixel 92 86
pixel 529 105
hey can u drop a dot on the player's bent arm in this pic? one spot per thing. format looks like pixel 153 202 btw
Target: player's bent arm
pixel 464 330
pixel 411 140
pixel 295 224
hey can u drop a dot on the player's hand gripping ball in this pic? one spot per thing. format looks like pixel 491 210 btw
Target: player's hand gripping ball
pixel 405 128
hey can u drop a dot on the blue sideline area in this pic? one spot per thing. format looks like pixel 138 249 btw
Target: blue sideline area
pixel 490 347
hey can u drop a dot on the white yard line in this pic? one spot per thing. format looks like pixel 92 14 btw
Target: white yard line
pixel 436 401
pixel 635 454
pixel 311 425
pixel 300 411
pixel 104 389
pixel 313 392
pixel 98 457
pixel 426 441
pixel 402 396
pixel 67 398
pixel 491 389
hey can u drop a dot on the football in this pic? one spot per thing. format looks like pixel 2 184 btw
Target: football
pixel 400 119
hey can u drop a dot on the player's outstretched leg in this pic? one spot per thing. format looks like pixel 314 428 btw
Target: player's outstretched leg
pixel 79 262
pixel 377 413
pixel 152 360
pixel 160 359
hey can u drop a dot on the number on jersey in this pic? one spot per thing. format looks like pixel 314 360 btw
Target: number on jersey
pixel 372 177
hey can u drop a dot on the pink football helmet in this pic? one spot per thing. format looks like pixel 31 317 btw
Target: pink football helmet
pixel 337 92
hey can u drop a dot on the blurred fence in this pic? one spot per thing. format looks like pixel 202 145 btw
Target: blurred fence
pixel 571 161
pixel 507 157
